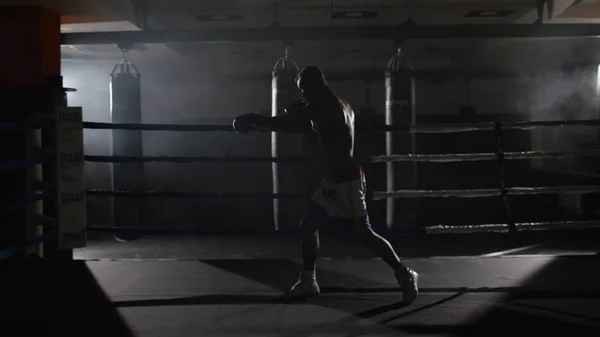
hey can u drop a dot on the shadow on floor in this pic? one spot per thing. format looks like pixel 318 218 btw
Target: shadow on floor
pixel 341 292
pixel 566 278
pixel 61 298
pixel 561 280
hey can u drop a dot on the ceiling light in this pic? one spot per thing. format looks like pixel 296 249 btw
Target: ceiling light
pixel 218 17
pixel 487 13
pixel 354 14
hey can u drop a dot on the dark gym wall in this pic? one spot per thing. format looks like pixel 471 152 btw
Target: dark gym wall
pixel 174 92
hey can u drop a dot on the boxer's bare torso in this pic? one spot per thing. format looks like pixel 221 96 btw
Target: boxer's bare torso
pixel 333 121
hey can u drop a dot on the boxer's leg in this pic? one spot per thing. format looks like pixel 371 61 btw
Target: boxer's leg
pixel 310 245
pixel 406 277
pixel 379 245
pixel 318 213
pixel 357 209
pixel 354 196
pixel 307 285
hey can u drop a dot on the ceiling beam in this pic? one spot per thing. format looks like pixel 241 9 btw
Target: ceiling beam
pixel 546 11
pixel 289 34
pixel 433 75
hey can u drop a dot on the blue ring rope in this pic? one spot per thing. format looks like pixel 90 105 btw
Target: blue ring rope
pixel 25 202
pixel 18 164
pixel 25 125
pixel 7 253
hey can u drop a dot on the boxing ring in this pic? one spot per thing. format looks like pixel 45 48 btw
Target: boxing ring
pixel 235 292
pixel 500 157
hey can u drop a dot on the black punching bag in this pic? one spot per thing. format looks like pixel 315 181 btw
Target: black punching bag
pixel 126 107
pixel 400 110
pixel 287 177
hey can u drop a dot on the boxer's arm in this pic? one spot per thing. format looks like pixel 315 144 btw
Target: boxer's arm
pixel 299 122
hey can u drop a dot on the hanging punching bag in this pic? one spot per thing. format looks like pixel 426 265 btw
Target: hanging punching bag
pixel 286 179
pixel 364 141
pixel 126 107
pixel 400 110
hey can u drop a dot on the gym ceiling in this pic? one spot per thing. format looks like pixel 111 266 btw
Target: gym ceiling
pixel 343 33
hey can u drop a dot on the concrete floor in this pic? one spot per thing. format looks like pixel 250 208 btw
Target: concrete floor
pixel 102 246
pixel 224 286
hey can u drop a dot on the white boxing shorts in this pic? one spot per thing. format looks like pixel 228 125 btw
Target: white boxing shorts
pixel 341 199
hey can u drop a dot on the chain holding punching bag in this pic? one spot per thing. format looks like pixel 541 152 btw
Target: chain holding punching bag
pixel 126 107
pixel 400 110
pixel 289 177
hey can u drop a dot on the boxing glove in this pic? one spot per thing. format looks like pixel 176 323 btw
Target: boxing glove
pixel 245 123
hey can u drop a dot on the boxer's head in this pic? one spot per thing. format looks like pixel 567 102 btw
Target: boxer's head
pixel 312 83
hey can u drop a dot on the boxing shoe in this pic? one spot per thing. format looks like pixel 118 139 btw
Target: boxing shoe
pixel 409 282
pixel 306 287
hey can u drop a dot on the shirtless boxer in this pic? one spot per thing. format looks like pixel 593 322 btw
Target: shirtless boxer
pixel 341 195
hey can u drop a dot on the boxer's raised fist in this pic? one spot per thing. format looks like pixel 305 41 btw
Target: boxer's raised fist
pixel 246 123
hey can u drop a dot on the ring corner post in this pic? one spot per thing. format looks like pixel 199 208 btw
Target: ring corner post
pixel 33 58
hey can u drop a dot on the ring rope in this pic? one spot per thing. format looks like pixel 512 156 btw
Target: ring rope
pixel 25 202
pixel 194 195
pixel 37 121
pixel 436 158
pixel 156 127
pixel 490 126
pixel 503 228
pixel 7 253
pixel 18 164
pixel 432 229
pixel 44 120
pixel 472 193
pixel 423 128
pixel 460 157
pixel 481 193
pixel 202 159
